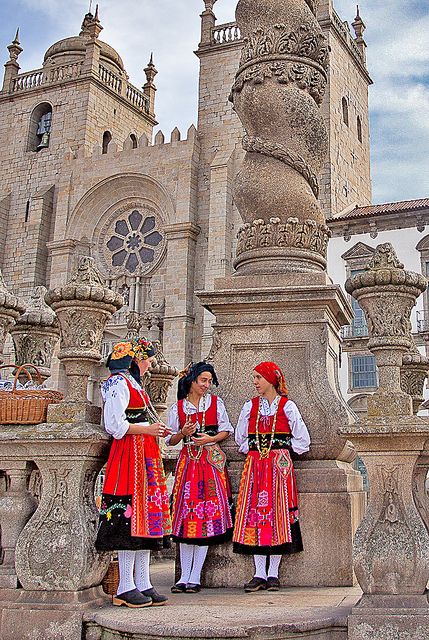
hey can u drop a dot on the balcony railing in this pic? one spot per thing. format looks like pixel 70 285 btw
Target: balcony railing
pixel 28 80
pixel 354 331
pixel 226 33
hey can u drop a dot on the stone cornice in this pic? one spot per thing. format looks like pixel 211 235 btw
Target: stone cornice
pixel 182 230
pixel 375 224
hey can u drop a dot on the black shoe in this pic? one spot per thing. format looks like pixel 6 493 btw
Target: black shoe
pixel 256 584
pixel 179 587
pixel 133 599
pixel 273 584
pixel 192 588
pixel 157 598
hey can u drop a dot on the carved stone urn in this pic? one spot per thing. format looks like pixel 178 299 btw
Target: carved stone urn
pixel 391 545
pixel 10 309
pixel 162 375
pixel 387 293
pixel 83 306
pixel 36 333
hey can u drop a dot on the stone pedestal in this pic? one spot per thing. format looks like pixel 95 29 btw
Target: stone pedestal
pixel 10 309
pixel 293 320
pixel 57 567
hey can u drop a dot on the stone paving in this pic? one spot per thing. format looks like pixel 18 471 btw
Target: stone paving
pixel 230 613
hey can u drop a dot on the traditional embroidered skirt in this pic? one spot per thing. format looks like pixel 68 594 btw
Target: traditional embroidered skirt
pixel 134 511
pixel 201 513
pixel 266 520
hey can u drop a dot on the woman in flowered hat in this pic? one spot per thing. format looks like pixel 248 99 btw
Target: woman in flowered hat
pixel 267 521
pixel 201 514
pixel 134 514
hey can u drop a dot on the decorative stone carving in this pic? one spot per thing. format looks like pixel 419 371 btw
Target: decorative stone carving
pixel 162 375
pixel 278 87
pixel 387 293
pixel 414 372
pixel 10 309
pixel 36 333
pixel 216 345
pixel 305 236
pixel 83 306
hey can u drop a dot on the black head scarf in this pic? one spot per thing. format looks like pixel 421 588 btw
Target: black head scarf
pixel 191 374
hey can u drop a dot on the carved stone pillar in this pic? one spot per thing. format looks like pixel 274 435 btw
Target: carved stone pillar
pixel 16 507
pixel 83 307
pixel 414 372
pixel 36 333
pixel 10 310
pixel 56 563
pixel 391 546
pixel 280 304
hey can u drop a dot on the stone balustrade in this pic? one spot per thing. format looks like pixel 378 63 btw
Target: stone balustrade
pixel 29 80
pixel 111 79
pixel 137 98
pixel 226 33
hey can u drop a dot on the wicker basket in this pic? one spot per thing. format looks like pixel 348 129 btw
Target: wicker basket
pixel 110 581
pixel 26 406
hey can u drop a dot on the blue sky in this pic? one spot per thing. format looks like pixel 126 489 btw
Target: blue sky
pixel 398 58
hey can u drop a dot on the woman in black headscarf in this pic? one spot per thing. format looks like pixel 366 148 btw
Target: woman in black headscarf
pixel 201 514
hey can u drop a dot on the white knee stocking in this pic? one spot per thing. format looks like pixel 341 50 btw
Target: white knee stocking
pixel 126 561
pixel 186 559
pixel 273 570
pixel 200 554
pixel 260 567
pixel 141 570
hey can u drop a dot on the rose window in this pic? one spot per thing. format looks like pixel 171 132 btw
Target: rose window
pixel 134 241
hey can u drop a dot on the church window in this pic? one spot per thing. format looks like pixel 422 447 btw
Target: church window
pixel 107 136
pixel 345 110
pixel 134 242
pixel 40 127
pixel 133 139
pixel 359 128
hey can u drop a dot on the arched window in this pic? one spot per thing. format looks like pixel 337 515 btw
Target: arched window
pixel 345 109
pixel 40 127
pixel 359 128
pixel 107 136
pixel 133 139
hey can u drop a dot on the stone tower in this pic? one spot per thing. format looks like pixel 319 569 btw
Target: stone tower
pixel 78 99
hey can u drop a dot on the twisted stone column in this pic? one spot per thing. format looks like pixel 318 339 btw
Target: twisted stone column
pixel 391 546
pixel 280 304
pixel 83 307
pixel 277 94
pixel 36 333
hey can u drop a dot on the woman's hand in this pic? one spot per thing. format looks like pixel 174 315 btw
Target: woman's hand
pixel 201 439
pixel 188 428
pixel 156 429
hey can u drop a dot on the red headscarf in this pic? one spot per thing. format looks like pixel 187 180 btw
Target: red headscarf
pixel 274 375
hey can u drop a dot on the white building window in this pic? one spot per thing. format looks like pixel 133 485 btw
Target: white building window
pixel 364 372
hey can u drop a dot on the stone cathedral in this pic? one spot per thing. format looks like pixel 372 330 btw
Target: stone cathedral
pixel 83 174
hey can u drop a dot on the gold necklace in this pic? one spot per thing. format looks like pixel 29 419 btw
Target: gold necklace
pixel 189 443
pixel 264 450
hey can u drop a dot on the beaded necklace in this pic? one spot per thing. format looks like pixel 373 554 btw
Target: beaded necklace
pixel 189 443
pixel 262 445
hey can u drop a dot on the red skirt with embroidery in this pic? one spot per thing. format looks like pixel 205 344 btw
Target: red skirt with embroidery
pixel 201 512
pixel 266 521
pixel 134 511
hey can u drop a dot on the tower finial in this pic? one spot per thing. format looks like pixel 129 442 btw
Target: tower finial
pixel 14 48
pixel 96 12
pixel 359 28
pixel 16 40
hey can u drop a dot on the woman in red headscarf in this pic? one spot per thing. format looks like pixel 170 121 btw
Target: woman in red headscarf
pixel 267 522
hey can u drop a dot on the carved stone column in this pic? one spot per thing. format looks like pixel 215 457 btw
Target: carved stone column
pixel 83 307
pixel 391 546
pixel 414 372
pixel 16 507
pixel 55 559
pixel 36 333
pixel 10 310
pixel 280 304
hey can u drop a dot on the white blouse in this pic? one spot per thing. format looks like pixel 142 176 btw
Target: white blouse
pixel 116 396
pixel 222 416
pixel 300 440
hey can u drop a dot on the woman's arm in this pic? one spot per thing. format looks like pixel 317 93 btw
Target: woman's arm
pixel 241 430
pixel 116 398
pixel 300 436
